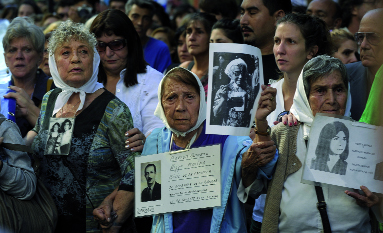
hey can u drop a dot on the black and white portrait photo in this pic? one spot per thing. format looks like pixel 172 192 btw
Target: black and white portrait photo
pixel 235 87
pixel 59 136
pixel 151 179
pixel 332 149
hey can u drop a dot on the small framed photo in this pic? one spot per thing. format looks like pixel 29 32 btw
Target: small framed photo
pixel 59 137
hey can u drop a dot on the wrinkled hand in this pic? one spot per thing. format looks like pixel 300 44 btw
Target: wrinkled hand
pixel 288 119
pixel 368 200
pixel 135 141
pixel 23 100
pixel 258 155
pixel 266 103
pixel 104 214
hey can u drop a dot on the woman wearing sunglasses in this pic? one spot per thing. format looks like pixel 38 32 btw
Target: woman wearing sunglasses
pixel 125 73
pixel 297 39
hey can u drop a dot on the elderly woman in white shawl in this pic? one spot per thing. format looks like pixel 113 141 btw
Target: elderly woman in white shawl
pixel 291 206
pixel 233 101
pixel 92 169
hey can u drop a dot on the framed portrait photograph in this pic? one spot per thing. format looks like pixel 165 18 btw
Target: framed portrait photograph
pixel 59 137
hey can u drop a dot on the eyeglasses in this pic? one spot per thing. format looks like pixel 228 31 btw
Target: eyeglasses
pixel 371 37
pixel 113 45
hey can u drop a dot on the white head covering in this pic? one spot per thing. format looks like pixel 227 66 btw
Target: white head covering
pixel 234 62
pixel 301 107
pixel 159 112
pixel 89 87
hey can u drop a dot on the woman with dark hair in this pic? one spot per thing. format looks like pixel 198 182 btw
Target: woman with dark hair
pixel 66 137
pixel 332 150
pixel 28 8
pixel 198 31
pixel 226 31
pixel 298 38
pixel 124 72
pixel 53 143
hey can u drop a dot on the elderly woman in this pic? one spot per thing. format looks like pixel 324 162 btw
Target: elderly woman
pixel 291 205
pixel 97 159
pixel 125 73
pixel 233 101
pixel 182 108
pixel 23 51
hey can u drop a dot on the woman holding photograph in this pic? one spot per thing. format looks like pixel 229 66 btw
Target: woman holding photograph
pixel 332 150
pixel 181 96
pixel 97 159
pixel 322 88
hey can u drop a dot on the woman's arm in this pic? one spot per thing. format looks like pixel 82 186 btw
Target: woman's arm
pixel 262 150
pixel 17 177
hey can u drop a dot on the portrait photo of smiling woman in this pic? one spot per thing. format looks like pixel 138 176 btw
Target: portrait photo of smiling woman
pixel 332 150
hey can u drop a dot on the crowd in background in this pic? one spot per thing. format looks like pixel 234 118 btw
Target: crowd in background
pixel 139 52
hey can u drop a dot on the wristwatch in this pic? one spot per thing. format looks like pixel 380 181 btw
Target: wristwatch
pixel 267 133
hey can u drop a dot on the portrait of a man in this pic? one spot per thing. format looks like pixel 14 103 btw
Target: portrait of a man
pixel 153 191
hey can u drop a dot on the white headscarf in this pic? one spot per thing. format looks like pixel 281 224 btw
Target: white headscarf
pixel 89 87
pixel 159 112
pixel 301 107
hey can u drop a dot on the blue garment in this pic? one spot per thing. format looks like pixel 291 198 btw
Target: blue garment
pixel 229 217
pixel 157 54
pixel 37 97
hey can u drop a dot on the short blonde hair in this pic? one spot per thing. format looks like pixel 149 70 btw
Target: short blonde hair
pixel 69 30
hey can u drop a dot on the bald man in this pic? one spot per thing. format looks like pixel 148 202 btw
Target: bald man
pixel 328 11
pixel 362 74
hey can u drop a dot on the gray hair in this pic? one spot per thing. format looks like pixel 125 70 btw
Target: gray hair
pixel 23 27
pixel 146 4
pixel 69 30
pixel 321 66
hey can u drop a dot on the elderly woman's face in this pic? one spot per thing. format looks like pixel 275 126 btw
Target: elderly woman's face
pixel 21 58
pixel 181 105
pixel 237 74
pixel 328 95
pixel 74 60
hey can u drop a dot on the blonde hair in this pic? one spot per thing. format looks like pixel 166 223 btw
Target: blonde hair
pixel 338 37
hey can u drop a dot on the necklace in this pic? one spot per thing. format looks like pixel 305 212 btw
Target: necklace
pixel 62 109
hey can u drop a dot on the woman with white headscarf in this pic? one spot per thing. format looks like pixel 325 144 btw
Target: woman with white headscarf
pixel 79 180
pixel 182 108
pixel 291 206
pixel 233 101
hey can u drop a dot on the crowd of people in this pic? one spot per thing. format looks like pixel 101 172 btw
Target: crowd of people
pixel 97 83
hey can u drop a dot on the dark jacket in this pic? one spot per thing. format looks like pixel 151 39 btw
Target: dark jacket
pixel 156 195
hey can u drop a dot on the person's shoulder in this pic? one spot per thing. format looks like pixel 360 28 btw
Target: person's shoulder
pixel 355 68
pixel 185 64
pixel 156 42
pixel 151 74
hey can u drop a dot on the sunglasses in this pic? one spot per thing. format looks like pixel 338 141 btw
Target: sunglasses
pixel 371 37
pixel 113 45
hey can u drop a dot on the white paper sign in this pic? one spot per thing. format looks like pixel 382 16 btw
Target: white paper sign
pixel 344 153
pixel 187 180
pixel 235 78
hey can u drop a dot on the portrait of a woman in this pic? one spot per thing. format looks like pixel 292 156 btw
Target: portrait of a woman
pixel 332 150
pixel 54 139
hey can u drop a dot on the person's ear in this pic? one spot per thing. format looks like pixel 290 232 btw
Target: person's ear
pixel 5 59
pixel 312 52
pixel 337 23
pixel 354 11
pixel 277 15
